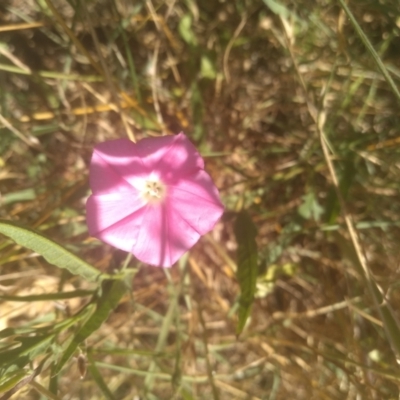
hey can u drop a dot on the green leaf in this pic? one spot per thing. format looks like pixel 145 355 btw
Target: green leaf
pixel 111 293
pixel 207 68
pixel 54 253
pixel 345 181
pixel 185 30
pixel 277 8
pixel 247 268
pixel 197 106
pixel 32 328
pixel 30 348
pixel 310 209
pixel 15 385
pixel 21 195
pixel 48 296
pixel 11 380
pixel 96 375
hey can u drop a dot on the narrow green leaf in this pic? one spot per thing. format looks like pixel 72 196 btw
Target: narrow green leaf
pixel 247 268
pixel 43 391
pixel 48 296
pixel 127 352
pixel 53 382
pixel 30 348
pixel 51 74
pixel 163 336
pixel 11 380
pixel 282 11
pixel 54 253
pixel 370 48
pixel 277 8
pixel 96 375
pixel 27 379
pixel 32 328
pixel 111 293
pixel 186 395
pixel 21 195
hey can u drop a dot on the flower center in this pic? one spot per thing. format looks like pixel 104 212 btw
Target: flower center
pixel 153 191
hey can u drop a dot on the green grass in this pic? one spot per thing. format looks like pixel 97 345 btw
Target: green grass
pixel 295 107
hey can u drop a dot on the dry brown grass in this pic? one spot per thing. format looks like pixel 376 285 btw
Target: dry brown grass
pixel 314 332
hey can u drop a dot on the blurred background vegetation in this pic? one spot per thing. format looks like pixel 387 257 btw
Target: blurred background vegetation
pixel 272 92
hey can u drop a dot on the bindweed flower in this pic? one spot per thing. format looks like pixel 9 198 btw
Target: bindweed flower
pixel 151 198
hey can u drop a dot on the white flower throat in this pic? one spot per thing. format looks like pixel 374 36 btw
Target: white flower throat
pixel 153 191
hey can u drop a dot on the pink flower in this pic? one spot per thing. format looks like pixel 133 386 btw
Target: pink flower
pixel 151 198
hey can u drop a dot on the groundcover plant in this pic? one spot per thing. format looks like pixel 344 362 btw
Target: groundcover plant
pixel 199 199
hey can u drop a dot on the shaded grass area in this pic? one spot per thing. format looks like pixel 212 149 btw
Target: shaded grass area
pixel 245 81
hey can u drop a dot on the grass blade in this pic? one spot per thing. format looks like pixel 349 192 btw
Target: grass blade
pixel 48 296
pixel 247 269
pixel 96 375
pixel 370 48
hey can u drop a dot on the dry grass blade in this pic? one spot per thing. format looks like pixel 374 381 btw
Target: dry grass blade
pixel 107 75
pixel 390 322
pixel 73 37
pixel 391 325
pixel 295 126
pixel 230 44
pixel 17 27
pixel 371 49
pixel 30 140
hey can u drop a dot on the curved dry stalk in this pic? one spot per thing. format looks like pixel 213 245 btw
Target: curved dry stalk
pixel 230 44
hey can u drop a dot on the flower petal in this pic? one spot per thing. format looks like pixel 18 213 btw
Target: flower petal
pixel 111 210
pixel 164 236
pixel 196 200
pixel 191 209
pixel 170 157
pixel 153 244
pixel 114 167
